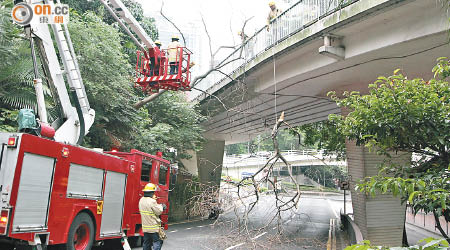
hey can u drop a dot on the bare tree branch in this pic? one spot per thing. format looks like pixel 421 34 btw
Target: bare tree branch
pixel 194 82
pixel 170 21
pixel 209 41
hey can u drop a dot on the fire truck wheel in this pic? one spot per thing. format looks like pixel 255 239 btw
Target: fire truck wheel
pixel 81 233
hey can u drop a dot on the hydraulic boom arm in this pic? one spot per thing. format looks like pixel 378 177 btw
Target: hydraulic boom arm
pixel 75 120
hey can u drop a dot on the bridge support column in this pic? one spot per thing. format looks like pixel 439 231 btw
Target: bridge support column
pixel 209 162
pixel 381 218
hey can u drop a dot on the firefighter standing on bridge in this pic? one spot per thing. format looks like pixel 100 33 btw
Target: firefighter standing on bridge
pixel 273 27
pixel 151 224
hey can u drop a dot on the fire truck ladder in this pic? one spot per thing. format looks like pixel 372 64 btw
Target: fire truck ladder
pixel 75 120
pixel 124 16
pixel 70 63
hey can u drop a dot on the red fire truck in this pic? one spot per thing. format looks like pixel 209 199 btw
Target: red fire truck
pixel 54 192
pixel 57 193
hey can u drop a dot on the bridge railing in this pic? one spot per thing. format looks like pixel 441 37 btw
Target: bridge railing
pixel 296 18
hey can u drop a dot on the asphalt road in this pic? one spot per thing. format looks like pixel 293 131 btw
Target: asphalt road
pixel 305 228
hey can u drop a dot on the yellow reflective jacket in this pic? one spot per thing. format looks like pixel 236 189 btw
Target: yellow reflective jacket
pixel 173 51
pixel 150 211
pixel 273 14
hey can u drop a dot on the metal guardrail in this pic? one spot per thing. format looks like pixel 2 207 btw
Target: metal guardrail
pixel 292 156
pixel 312 152
pixel 354 233
pixel 296 18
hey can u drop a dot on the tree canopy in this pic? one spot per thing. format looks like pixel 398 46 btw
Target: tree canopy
pixel 106 65
pixel 263 142
pixel 323 135
pixel 405 115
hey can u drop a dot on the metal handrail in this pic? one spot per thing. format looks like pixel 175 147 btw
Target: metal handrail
pixel 296 18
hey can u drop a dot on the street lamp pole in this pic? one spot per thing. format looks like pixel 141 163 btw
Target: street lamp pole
pixel 323 177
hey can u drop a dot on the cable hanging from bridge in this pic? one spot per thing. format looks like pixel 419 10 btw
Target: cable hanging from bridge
pixel 274 76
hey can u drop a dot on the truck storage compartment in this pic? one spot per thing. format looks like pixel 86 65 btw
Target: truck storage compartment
pixel 113 204
pixel 85 182
pixel 33 196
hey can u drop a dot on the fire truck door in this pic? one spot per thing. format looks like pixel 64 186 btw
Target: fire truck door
pixel 113 204
pixel 31 210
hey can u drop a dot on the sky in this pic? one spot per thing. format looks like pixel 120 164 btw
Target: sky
pixel 224 18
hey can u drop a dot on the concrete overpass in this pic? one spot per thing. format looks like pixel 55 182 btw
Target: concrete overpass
pixel 292 75
pixel 315 47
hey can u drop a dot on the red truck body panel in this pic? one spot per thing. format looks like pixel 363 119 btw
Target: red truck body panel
pixel 62 208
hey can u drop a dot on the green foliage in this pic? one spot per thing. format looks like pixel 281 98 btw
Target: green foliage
pixel 400 114
pixel 323 135
pixel 329 173
pixel 16 87
pixel 173 122
pixel 107 72
pixel 235 149
pixel 442 69
pixel 16 70
pixel 406 115
pixel 8 120
pixel 429 193
pixel 286 141
pixel 430 244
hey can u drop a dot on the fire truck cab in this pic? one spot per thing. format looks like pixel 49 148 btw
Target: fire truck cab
pixel 54 193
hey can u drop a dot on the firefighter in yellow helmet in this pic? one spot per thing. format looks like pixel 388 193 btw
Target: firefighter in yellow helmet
pixel 174 54
pixel 243 36
pixel 158 43
pixel 273 13
pixel 151 223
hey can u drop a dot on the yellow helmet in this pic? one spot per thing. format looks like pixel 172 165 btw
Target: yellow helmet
pixel 175 37
pixel 272 3
pixel 239 33
pixel 150 187
pixel 157 42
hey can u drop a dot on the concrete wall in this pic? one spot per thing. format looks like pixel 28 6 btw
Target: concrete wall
pixel 380 218
pixel 426 221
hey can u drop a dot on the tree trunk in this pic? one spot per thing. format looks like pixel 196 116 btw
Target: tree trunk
pixel 405 236
pixel 438 225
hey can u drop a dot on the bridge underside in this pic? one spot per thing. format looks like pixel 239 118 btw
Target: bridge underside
pixel 409 36
pixel 293 77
